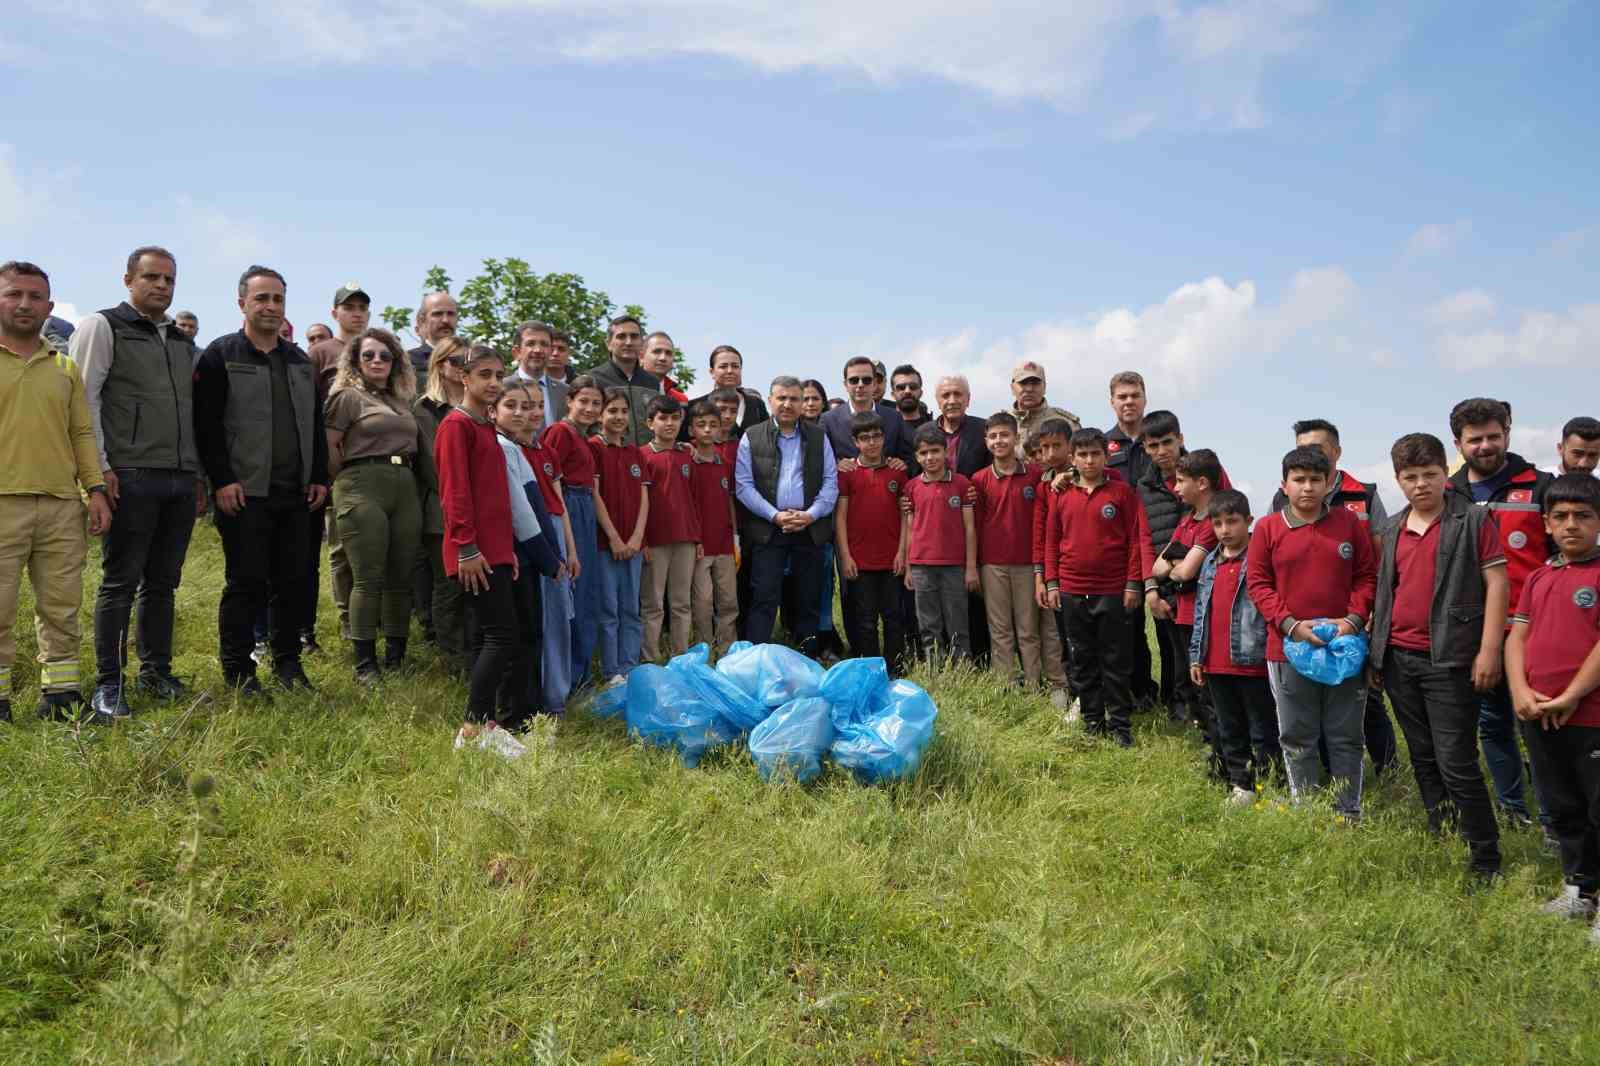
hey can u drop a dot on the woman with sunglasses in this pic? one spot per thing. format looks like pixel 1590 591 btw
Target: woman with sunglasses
pixel 373 444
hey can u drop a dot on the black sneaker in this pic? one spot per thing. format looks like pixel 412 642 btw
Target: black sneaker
pixel 110 704
pixel 244 684
pixel 1122 738
pixel 291 676
pixel 163 687
pixel 61 707
pixel 308 644
pixel 5 711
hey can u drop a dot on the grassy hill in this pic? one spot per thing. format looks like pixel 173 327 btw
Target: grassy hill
pixel 350 889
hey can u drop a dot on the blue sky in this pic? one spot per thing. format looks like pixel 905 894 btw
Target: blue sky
pixel 1275 210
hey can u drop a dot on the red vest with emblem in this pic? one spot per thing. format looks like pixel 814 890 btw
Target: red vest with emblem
pixel 1517 507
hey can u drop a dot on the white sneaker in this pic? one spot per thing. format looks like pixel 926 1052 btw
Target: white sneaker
pixel 467 734
pixel 1569 904
pixel 616 679
pixel 1060 699
pixel 261 654
pixel 1241 797
pixel 501 742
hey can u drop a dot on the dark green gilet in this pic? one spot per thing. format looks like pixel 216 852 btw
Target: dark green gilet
pixel 763 440
pixel 248 418
pixel 147 401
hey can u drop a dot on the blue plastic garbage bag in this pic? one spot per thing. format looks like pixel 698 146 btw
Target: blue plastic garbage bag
pixel 742 711
pixel 1336 661
pixel 771 673
pixel 609 702
pixel 665 710
pixel 889 743
pixel 793 739
pixel 855 688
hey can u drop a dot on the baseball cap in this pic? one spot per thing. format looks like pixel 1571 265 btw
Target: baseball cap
pixel 1027 369
pixel 349 289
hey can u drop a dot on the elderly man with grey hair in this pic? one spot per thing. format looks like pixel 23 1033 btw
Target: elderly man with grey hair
pixel 786 480
pixel 963 434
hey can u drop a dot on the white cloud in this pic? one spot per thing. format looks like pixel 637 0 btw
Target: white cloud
pixel 221 237
pixel 1537 444
pixel 1436 238
pixel 68 312
pixel 1465 308
pixel 1381 474
pixel 1192 334
pixel 1540 338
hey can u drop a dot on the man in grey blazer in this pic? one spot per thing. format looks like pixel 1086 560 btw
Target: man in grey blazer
pixel 530 350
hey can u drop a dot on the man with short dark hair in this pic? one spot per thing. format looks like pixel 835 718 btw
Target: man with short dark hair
pixel 1513 490
pixel 188 323
pixel 436 318
pixel 317 333
pixel 859 383
pixel 259 424
pixel 556 364
pixel 659 355
pixel 905 389
pixel 1580 446
pixel 138 379
pixel 47 456
pixel 531 353
pixel 786 480
pixel 1123 450
pixel 625 341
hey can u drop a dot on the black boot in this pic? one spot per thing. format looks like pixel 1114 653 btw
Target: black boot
pixel 367 672
pixel 394 653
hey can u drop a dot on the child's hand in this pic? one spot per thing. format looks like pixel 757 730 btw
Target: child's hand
pixel 1130 600
pixel 1052 600
pixel 619 549
pixel 1345 629
pixel 699 552
pixel 1558 712
pixel 851 571
pixel 895 464
pixel 574 568
pixel 900 564
pixel 1302 632
pixel 646 554
pixel 1158 606
pixel 907 580
pixel 971 578
pixel 1487 669
pixel 1525 703
pixel 1061 482
pixel 1196 675
pixel 1039 595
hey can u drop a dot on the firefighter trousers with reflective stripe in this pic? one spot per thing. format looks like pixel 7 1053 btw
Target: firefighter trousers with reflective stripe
pixel 48 538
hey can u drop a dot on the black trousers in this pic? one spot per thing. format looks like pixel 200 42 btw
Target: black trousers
pixel 874 597
pixel 978 630
pixel 1145 688
pixel 264 548
pixel 1246 727
pixel 1566 763
pixel 1097 627
pixel 1177 691
pixel 141 562
pixel 803 557
pixel 492 629
pixel 1437 708
pixel 521 692
pixel 422 594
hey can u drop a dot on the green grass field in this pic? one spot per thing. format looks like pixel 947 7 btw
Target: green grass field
pixel 353 890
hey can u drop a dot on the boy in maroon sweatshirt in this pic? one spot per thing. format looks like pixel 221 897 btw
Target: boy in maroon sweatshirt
pixel 1310 564
pixel 1096 540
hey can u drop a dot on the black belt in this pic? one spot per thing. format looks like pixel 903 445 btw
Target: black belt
pixel 387 460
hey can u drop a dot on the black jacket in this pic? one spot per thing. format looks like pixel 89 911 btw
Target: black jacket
pixel 896 438
pixel 1455 617
pixel 231 442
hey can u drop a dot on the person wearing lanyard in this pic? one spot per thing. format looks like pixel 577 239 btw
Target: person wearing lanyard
pixel 372 454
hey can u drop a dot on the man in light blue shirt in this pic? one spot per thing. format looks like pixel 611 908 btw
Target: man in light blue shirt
pixel 785 478
pixel 530 350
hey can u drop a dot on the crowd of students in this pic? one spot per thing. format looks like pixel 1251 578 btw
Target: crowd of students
pixel 538 520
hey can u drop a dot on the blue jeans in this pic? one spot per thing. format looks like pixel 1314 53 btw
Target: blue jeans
pixel 556 657
pixel 621 630
pixel 585 625
pixel 1497 732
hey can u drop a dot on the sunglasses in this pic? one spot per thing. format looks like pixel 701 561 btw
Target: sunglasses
pixel 907 386
pixel 859 381
pixel 457 361
pixel 1030 381
pixel 377 357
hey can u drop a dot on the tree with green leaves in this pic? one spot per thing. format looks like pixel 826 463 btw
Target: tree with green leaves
pixel 508 291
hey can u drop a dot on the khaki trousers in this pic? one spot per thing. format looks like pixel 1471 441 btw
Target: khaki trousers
pixel 1019 627
pixel 715 594
pixel 667 575
pixel 49 538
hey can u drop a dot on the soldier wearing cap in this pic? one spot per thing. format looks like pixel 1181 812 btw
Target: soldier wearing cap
pixel 1030 407
pixel 352 310
pixel 138 379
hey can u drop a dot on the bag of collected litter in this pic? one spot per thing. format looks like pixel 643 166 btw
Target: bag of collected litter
pixel 888 743
pixel 609 702
pixel 1331 663
pixel 855 688
pixel 665 710
pixel 793 739
pixel 771 673
pixel 739 709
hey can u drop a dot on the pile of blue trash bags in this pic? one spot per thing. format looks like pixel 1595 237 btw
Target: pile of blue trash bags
pixel 791 710
pixel 1334 661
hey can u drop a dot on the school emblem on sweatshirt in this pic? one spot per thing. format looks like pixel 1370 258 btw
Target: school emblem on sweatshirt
pixel 894 486
pixel 1520 496
pixel 724 484
pixel 1027 492
pixel 684 470
pixel 1347 550
pixel 1584 597
pixel 1517 539
pixel 954 503
pixel 634 470
pixel 1108 511
pixel 549 470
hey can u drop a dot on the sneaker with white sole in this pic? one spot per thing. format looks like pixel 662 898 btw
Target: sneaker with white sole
pixel 467 734
pixel 501 742
pixel 1061 699
pixel 1241 797
pixel 1569 904
pixel 616 679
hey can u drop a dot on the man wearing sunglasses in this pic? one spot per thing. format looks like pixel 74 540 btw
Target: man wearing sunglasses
pixel 859 389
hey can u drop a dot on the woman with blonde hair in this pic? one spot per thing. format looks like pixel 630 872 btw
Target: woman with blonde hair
pixel 373 448
pixel 438 597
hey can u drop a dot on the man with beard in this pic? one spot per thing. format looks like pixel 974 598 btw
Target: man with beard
pixel 437 317
pixel 1492 476
pixel 1580 446
pixel 905 386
